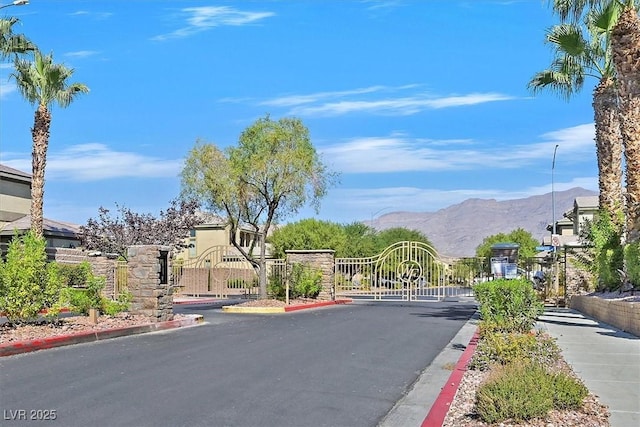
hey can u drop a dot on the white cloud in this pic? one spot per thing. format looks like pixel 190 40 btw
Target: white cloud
pixel 81 53
pixel 400 153
pixel 204 18
pixel 6 89
pixel 327 104
pixel 93 162
pixel 96 15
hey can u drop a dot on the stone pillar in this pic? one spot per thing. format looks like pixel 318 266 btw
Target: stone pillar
pixel 149 281
pixel 323 260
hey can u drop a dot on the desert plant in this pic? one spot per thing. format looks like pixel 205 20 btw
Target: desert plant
pixel 113 307
pixel 277 287
pixel 523 390
pixel 306 281
pixel 75 275
pixel 604 257
pixel 508 305
pixel 504 348
pixel 632 264
pixel 27 284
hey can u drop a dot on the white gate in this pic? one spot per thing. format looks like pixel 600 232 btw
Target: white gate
pixel 405 271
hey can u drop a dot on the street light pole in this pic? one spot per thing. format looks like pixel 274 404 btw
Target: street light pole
pixel 15 3
pixel 556 284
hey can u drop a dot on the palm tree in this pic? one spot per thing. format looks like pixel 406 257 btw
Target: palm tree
pixel 11 43
pixel 575 58
pixel 42 83
pixel 625 46
pixel 626 55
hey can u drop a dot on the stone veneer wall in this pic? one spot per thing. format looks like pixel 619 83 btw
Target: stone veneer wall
pixel 100 265
pixel 321 259
pixel 150 297
pixel 622 315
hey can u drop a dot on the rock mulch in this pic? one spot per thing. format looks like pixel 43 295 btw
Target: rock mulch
pixel 69 325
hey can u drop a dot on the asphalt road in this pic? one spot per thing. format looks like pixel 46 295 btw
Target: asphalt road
pixel 343 365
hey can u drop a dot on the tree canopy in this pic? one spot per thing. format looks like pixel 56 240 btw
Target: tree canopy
pixel 270 175
pixel 114 234
pixel 519 236
pixel 355 240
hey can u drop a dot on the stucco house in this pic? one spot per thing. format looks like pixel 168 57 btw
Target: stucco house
pixel 573 221
pixel 15 204
pixel 214 232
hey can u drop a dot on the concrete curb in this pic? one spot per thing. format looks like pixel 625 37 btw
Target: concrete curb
pixel 430 389
pixel 20 347
pixel 286 309
pixel 196 301
pixel 440 407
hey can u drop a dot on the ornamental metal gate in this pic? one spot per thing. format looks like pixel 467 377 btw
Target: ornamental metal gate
pixel 221 272
pixel 405 271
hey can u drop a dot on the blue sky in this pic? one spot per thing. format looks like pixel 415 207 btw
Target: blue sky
pixel 417 104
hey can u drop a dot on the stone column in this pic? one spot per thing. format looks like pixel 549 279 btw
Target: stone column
pixel 149 281
pixel 323 260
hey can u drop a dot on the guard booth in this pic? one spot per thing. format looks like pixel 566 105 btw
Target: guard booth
pixel 504 260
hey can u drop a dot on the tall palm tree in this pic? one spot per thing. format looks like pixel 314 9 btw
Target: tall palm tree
pixel 11 43
pixel 576 58
pixel 626 57
pixel 625 46
pixel 42 83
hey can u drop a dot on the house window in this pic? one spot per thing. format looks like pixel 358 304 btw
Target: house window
pixel 192 248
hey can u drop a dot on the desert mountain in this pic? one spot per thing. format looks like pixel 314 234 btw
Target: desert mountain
pixel 458 229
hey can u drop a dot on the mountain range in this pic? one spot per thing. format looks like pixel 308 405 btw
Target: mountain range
pixel 459 229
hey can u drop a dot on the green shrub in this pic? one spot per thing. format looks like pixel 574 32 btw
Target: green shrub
pixel 80 300
pixel 505 348
pixel 632 263
pixel 113 307
pixel 75 275
pixel 306 282
pixel 516 391
pixel 508 305
pixel 522 390
pixel 277 287
pixel 27 283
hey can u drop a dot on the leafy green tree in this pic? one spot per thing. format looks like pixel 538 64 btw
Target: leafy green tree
pixel 43 83
pixel 361 241
pixel 519 236
pixel 307 234
pixel 388 237
pixel 271 174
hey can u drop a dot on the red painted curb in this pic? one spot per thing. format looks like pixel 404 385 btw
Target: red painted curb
pixel 315 305
pixel 440 407
pixel 195 302
pixel 20 347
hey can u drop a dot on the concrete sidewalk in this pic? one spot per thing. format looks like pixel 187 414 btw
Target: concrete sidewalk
pixel 606 359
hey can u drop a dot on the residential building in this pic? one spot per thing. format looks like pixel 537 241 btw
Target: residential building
pixel 15 205
pixel 216 233
pixel 573 222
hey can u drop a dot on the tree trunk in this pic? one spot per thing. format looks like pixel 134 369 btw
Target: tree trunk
pixel 625 43
pixel 40 136
pixel 609 149
pixel 263 267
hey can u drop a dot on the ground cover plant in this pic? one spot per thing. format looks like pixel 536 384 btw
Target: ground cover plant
pixel 525 379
